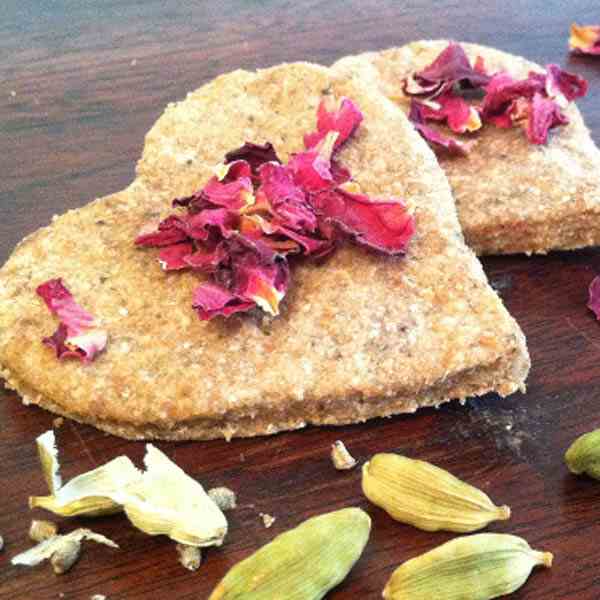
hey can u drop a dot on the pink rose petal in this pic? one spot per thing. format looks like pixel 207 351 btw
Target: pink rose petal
pixel 544 114
pixel 585 39
pixel 171 258
pixel 78 334
pixel 594 297
pixel 344 121
pixel 211 300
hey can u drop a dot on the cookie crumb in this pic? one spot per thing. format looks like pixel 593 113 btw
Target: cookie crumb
pixel 223 497
pixel 267 519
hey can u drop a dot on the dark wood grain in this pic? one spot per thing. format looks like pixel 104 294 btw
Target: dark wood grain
pixel 81 82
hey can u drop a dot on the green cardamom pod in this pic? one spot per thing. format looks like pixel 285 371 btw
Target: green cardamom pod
pixel 583 456
pixel 427 497
pixel 303 563
pixel 475 567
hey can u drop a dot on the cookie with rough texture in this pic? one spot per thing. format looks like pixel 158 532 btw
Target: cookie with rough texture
pixel 361 336
pixel 511 196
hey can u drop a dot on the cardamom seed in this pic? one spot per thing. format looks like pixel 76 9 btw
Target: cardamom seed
pixel 427 497
pixel 303 563
pixel 475 567
pixel 42 530
pixel 341 458
pixel 583 456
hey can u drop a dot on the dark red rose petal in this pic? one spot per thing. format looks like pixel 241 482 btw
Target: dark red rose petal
pixel 169 232
pixel 563 85
pixel 454 110
pixel 382 225
pixel 253 154
pixel 434 137
pixel 344 121
pixel 78 334
pixel 172 258
pixel 451 67
pixel 211 300
pixel 311 171
pixel 594 297
pixel 545 114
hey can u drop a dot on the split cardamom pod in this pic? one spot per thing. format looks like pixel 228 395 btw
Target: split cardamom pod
pixel 583 456
pixel 303 563
pixel 427 497
pixel 474 567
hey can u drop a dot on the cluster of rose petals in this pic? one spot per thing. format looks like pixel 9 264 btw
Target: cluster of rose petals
pixel 585 39
pixel 243 227
pixel 537 102
pixel 78 334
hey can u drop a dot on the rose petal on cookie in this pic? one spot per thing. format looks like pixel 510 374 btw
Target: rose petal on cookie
pixel 343 120
pixel 435 138
pixel 544 114
pixel 211 300
pixel 169 231
pixel 171 258
pixel 454 110
pixel 585 39
pixel 254 154
pixel 451 67
pixel 78 334
pixel 563 86
pixel 384 225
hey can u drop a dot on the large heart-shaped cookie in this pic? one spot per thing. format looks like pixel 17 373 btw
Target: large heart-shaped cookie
pixel 360 336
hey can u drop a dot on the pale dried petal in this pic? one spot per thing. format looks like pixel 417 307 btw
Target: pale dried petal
pixel 48 453
pixel 44 550
pixel 267 519
pixel 97 492
pixel 167 501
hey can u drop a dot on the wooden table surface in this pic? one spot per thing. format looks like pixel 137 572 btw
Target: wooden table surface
pixel 81 81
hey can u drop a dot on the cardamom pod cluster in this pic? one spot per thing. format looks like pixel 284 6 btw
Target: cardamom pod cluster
pixel 303 563
pixel 584 455
pixel 427 497
pixel 477 567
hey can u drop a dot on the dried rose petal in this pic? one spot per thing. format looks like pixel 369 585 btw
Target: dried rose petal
pixel 172 258
pixel 594 297
pixel 78 334
pixel 451 67
pixel 503 89
pixel 383 225
pixel 544 115
pixel 287 199
pixel 456 111
pixel 585 39
pixel 210 300
pixel 434 137
pixel 253 154
pixel 169 232
pixel 344 121
pixel 266 285
pixel 563 86
pixel 243 224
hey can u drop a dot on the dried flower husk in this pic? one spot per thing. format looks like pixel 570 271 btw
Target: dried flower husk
pixel 62 544
pixel 167 501
pixel 303 563
pixel 427 497
pixel 583 456
pixel 475 567
pixel 160 500
pixel 66 556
